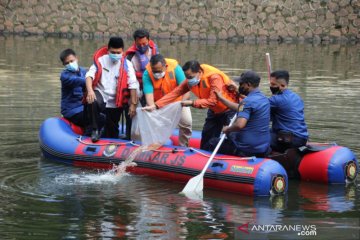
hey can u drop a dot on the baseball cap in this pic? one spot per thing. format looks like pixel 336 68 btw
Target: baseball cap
pixel 248 76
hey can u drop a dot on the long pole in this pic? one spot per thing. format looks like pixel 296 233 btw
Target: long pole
pixel 196 184
pixel 268 64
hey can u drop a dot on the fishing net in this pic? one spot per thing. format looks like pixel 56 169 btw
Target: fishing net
pixel 156 127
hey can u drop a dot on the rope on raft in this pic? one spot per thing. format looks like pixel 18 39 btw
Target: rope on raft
pixel 175 150
pixel 223 158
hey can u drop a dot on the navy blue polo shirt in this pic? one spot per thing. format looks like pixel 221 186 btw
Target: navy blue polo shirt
pixel 72 85
pixel 255 136
pixel 287 113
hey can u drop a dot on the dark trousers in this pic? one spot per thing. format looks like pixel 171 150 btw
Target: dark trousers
pixel 79 119
pixel 229 148
pixel 281 144
pixel 125 114
pixel 213 126
pixel 112 116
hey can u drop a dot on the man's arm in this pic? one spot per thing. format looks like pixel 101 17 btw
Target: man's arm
pixel 71 79
pixel 90 98
pixel 171 96
pixel 226 102
pixel 242 118
pixel 148 89
pixel 239 124
pixel 180 78
pixel 216 84
pixel 133 86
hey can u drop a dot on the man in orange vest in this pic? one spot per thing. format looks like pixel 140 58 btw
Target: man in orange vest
pixel 161 76
pixel 203 81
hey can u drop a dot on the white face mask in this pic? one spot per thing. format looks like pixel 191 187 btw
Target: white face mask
pixel 72 67
pixel 115 57
pixel 159 75
pixel 193 81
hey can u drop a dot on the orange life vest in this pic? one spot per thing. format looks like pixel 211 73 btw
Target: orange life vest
pixel 202 90
pixel 167 83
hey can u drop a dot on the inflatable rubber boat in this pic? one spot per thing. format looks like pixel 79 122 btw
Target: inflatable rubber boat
pixel 316 162
pixel 63 142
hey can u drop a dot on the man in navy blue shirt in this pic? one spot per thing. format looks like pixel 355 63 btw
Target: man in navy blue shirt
pixel 72 84
pixel 249 135
pixel 289 129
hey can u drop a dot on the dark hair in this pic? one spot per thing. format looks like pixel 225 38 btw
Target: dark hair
pixel 193 65
pixel 157 58
pixel 140 33
pixel 281 74
pixel 116 42
pixel 67 52
pixel 250 77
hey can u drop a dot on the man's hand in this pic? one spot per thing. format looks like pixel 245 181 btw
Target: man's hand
pixel 187 103
pixel 132 110
pixel 149 108
pixel 90 98
pixel 226 129
pixel 232 87
pixel 219 95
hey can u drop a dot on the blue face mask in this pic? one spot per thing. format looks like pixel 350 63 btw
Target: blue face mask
pixel 72 67
pixel 193 81
pixel 142 49
pixel 115 57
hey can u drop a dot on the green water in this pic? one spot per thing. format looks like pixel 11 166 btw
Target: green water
pixel 43 200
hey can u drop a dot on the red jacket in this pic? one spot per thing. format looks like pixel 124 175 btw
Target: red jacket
pixel 122 91
pixel 133 49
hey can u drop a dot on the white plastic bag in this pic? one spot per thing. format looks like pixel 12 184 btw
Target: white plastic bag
pixel 157 126
pixel 135 129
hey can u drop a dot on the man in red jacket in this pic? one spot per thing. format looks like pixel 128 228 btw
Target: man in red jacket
pixel 139 55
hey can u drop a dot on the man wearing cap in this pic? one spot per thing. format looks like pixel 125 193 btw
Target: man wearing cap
pixel 249 135
pixel 111 85
pixel 289 129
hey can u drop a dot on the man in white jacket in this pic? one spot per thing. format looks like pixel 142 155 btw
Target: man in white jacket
pixel 111 85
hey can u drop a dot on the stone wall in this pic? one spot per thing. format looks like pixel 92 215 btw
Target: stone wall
pixel 234 20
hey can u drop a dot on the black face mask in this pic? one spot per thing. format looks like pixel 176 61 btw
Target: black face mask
pixel 275 90
pixel 243 91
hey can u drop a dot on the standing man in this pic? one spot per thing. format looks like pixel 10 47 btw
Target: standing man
pixel 203 81
pixel 161 76
pixel 72 87
pixel 289 129
pixel 249 135
pixel 111 86
pixel 139 55
pixel 140 52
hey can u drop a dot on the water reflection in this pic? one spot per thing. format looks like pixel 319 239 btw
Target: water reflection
pixel 332 198
pixel 127 208
pixel 43 200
